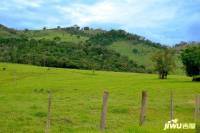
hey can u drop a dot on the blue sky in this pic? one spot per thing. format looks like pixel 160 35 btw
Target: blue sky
pixel 164 21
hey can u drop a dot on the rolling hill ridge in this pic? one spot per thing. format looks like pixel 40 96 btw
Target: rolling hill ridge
pixel 124 51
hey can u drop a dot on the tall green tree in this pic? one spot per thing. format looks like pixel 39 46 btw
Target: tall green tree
pixel 191 60
pixel 164 62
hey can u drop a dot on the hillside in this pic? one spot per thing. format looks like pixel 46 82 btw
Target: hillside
pixel 138 52
pixel 7 32
pixel 53 34
pixel 142 54
pixel 136 48
pixel 77 99
pixel 54 53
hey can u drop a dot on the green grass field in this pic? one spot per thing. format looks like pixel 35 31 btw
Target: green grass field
pixel 77 99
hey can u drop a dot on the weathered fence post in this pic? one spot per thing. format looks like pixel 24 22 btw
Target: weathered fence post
pixel 143 108
pixel 104 110
pixel 49 113
pixel 197 108
pixel 171 106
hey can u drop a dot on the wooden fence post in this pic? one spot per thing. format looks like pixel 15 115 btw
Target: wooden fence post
pixel 171 106
pixel 104 111
pixel 49 114
pixel 143 108
pixel 197 108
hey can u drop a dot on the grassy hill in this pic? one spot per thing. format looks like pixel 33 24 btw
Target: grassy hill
pixel 7 32
pixel 138 52
pixel 142 54
pixel 77 99
pixel 125 47
pixel 134 47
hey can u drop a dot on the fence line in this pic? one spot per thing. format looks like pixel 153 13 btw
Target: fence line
pixel 143 110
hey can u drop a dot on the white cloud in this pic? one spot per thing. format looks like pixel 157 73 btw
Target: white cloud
pixel 28 3
pixel 128 13
pixel 20 4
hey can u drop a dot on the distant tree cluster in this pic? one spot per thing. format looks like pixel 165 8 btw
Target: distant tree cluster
pixel 107 38
pixel 77 30
pixel 64 54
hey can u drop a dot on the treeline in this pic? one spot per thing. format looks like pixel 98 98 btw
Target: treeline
pixel 78 31
pixel 102 37
pixel 107 38
pixel 64 54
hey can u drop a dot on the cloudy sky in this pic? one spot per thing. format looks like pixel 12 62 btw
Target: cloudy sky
pixel 164 21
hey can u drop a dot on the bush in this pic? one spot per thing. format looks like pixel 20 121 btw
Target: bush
pixel 135 51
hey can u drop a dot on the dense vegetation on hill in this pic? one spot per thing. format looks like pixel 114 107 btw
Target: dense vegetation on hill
pixel 138 52
pixel 135 47
pixel 109 37
pixel 127 52
pixel 64 54
pixel 69 47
